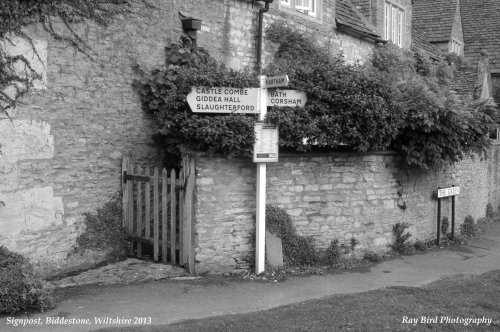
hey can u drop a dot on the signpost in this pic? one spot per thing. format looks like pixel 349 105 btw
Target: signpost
pixel 442 193
pixel 252 101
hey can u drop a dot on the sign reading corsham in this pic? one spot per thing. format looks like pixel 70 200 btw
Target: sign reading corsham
pixel 290 98
pixel 445 192
pixel 223 100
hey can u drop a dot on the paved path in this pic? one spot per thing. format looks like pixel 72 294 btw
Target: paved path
pixel 168 301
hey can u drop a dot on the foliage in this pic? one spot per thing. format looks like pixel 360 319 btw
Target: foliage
pixel 20 290
pixel 297 250
pixel 373 257
pixel 400 238
pixel 445 224
pixel 103 229
pixel 300 250
pixel 347 106
pixel 489 211
pixel 420 245
pixel 163 93
pixel 439 129
pixel 469 229
pixel 60 18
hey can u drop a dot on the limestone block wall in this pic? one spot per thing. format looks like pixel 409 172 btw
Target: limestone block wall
pixel 331 196
pixel 60 156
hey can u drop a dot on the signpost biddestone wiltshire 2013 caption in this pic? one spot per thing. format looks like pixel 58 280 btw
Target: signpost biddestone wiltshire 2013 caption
pixel 252 101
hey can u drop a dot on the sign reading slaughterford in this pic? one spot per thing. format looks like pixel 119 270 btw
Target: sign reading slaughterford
pixel 223 100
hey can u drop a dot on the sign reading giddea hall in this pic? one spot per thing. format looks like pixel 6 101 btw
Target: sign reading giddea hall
pixel 223 100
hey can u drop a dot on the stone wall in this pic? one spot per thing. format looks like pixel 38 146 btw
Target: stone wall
pixel 61 155
pixel 331 196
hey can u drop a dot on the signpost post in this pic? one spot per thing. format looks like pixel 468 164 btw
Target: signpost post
pixel 252 100
pixel 442 193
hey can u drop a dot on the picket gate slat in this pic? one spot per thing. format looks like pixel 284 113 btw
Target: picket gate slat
pixel 182 252
pixel 173 218
pixel 167 210
pixel 148 206
pixel 156 230
pixel 139 214
pixel 164 216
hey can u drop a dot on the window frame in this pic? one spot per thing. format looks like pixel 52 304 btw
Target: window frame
pixel 290 5
pixel 456 47
pixel 394 23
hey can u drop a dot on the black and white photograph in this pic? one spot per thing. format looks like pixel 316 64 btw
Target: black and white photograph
pixel 249 165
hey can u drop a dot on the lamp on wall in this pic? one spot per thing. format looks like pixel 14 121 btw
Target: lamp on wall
pixel 190 25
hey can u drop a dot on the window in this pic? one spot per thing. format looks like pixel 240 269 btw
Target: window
pixel 394 24
pixel 456 47
pixel 307 7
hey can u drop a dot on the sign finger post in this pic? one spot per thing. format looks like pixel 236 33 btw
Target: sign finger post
pixel 252 101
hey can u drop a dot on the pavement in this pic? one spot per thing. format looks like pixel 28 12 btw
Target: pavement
pixel 179 297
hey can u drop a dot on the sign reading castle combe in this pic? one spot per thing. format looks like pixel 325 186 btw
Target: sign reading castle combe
pixel 223 100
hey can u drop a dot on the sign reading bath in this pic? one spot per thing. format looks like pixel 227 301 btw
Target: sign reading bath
pixel 451 191
pixel 289 98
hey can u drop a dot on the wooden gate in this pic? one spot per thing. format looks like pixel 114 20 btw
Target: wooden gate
pixel 158 212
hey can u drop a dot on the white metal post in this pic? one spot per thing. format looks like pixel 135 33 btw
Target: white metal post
pixel 260 234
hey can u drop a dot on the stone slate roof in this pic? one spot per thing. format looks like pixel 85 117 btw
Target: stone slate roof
pixel 348 16
pixel 435 18
pixel 464 82
pixel 419 42
pixel 481 28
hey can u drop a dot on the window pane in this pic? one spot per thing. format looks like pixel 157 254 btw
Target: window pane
pixel 394 25
pixel 303 4
pixel 387 22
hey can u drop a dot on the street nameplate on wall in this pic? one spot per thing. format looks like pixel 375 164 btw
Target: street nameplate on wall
pixel 223 100
pixel 265 149
pixel 290 98
pixel 451 191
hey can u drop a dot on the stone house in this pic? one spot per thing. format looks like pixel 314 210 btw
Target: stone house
pixel 60 155
pixel 439 27
pixel 481 25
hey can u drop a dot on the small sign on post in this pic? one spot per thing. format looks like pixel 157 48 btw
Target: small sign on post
pixel 265 149
pixel 451 191
pixel 277 81
pixel 442 193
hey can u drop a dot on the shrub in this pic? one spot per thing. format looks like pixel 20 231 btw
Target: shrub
pixel 469 229
pixel 445 224
pixel 489 211
pixel 400 244
pixel 420 245
pixel 20 290
pixel 347 106
pixel 438 129
pixel 297 250
pixel 163 94
pixel 103 229
pixel 373 257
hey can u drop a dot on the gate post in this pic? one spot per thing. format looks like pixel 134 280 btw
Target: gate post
pixel 125 185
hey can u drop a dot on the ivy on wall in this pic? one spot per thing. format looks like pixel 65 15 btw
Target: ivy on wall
pixel 397 100
pixel 60 18
pixel 163 94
